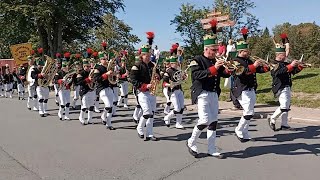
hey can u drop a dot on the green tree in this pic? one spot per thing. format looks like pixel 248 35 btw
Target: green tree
pixel 188 24
pixel 60 20
pixel 262 45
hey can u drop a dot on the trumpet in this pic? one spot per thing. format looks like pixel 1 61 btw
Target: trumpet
pixel 231 65
pixel 301 63
pixel 264 62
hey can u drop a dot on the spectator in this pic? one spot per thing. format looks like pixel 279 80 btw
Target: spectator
pixel 230 47
pixel 221 48
pixel 156 52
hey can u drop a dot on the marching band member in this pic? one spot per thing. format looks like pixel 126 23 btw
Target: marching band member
pixel 104 90
pixel 176 94
pixel 137 113
pixel 140 75
pixel 87 93
pixel 20 77
pixel 115 89
pixel 123 80
pixel 32 84
pixel 76 87
pixel 205 90
pixel 42 91
pixel 165 89
pixel 64 89
pixel 55 85
pixel 7 81
pixel 245 85
pixel 281 85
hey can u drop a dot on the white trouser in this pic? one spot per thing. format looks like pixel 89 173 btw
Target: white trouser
pixel 106 95
pixel 284 97
pixel 87 102
pixel 123 93
pixel 167 105
pixel 177 100
pixel 56 92
pixel 76 95
pixel 137 113
pixel 20 90
pixel 208 107
pixel 43 96
pixel 33 98
pixel 247 99
pixel 148 105
pixel 8 90
pixel 115 99
pixel 64 96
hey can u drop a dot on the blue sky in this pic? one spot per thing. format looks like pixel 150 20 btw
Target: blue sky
pixel 157 17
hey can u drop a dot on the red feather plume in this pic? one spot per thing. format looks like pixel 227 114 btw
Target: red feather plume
pixel 139 51
pixel 244 31
pixel 283 36
pixel 213 23
pixel 175 46
pixel 150 35
pixel 67 55
pixel 104 44
pixel 78 55
pixel 40 50
pixel 95 54
pixel 32 52
pixel 89 51
pixel 58 55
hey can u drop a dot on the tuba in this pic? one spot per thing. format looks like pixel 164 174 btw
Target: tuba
pixel 112 78
pixel 49 70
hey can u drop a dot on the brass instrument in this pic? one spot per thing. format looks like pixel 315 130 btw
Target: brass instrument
pixel 154 80
pixel 301 63
pixel 231 65
pixel 264 62
pixel 179 77
pixel 49 70
pixel 67 79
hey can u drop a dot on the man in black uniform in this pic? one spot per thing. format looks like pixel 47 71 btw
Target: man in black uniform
pixel 8 81
pixel 123 81
pixel 140 76
pixel 104 89
pixel 206 72
pixel 245 85
pixel 87 93
pixel 137 113
pixel 281 86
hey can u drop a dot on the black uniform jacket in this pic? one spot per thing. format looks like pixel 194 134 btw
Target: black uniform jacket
pixel 7 78
pixel 247 80
pixel 202 77
pixel 140 75
pixel 168 76
pixel 100 78
pixel 34 75
pixel 83 83
pixel 281 75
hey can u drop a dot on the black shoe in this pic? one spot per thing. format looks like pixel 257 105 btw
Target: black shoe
pixel 57 103
pixel 193 153
pixel 151 138
pixel 141 136
pixel 271 125
pixel 60 119
pixel 242 140
pixel 104 122
pixel 220 156
pixel 23 99
pixel 19 98
pixel 42 115
pixel 111 128
pixel 286 128
pixel 46 114
pixel 29 109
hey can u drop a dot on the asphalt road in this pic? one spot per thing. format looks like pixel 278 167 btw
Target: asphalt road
pixel 34 148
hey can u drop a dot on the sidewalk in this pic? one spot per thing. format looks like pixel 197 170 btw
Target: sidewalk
pixel 297 114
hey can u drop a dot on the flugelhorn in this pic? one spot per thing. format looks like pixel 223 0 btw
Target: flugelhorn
pixel 264 62
pixel 231 65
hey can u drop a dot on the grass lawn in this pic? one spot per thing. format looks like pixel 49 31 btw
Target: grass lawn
pixel 306 89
